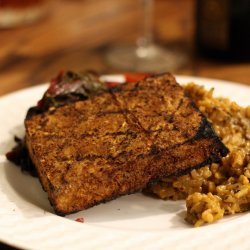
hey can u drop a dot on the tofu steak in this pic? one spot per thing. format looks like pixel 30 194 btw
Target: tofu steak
pixel 119 142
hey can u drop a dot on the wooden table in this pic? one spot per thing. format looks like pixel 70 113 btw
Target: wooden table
pixel 76 34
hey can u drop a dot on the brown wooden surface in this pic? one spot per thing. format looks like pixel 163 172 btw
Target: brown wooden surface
pixel 76 33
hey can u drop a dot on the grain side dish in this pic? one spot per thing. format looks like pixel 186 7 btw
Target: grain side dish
pixel 217 189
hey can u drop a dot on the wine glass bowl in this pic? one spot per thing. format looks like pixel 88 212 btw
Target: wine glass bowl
pixel 145 55
pixel 153 58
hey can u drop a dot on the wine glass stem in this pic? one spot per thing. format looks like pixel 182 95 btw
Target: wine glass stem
pixel 148 9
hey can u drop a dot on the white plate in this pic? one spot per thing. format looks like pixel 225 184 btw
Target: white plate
pixel 130 222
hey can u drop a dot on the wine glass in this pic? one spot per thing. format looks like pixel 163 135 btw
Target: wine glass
pixel 145 55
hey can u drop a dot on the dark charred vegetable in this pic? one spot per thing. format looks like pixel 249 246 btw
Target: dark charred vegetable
pixel 20 156
pixel 68 87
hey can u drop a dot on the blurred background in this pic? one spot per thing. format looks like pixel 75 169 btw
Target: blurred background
pixel 76 35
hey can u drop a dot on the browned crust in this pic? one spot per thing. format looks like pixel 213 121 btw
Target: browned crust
pixel 118 143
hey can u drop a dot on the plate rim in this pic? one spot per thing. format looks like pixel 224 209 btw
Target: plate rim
pixel 18 243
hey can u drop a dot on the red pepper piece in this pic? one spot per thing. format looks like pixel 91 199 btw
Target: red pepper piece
pixel 81 220
pixel 135 77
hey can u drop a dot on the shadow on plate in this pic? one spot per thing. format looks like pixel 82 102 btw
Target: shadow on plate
pixel 24 191
pixel 8 144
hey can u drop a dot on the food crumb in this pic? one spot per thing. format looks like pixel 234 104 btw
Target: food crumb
pixel 81 220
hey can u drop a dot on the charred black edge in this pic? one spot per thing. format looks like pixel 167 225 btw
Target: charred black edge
pixel 206 131
pixel 32 111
